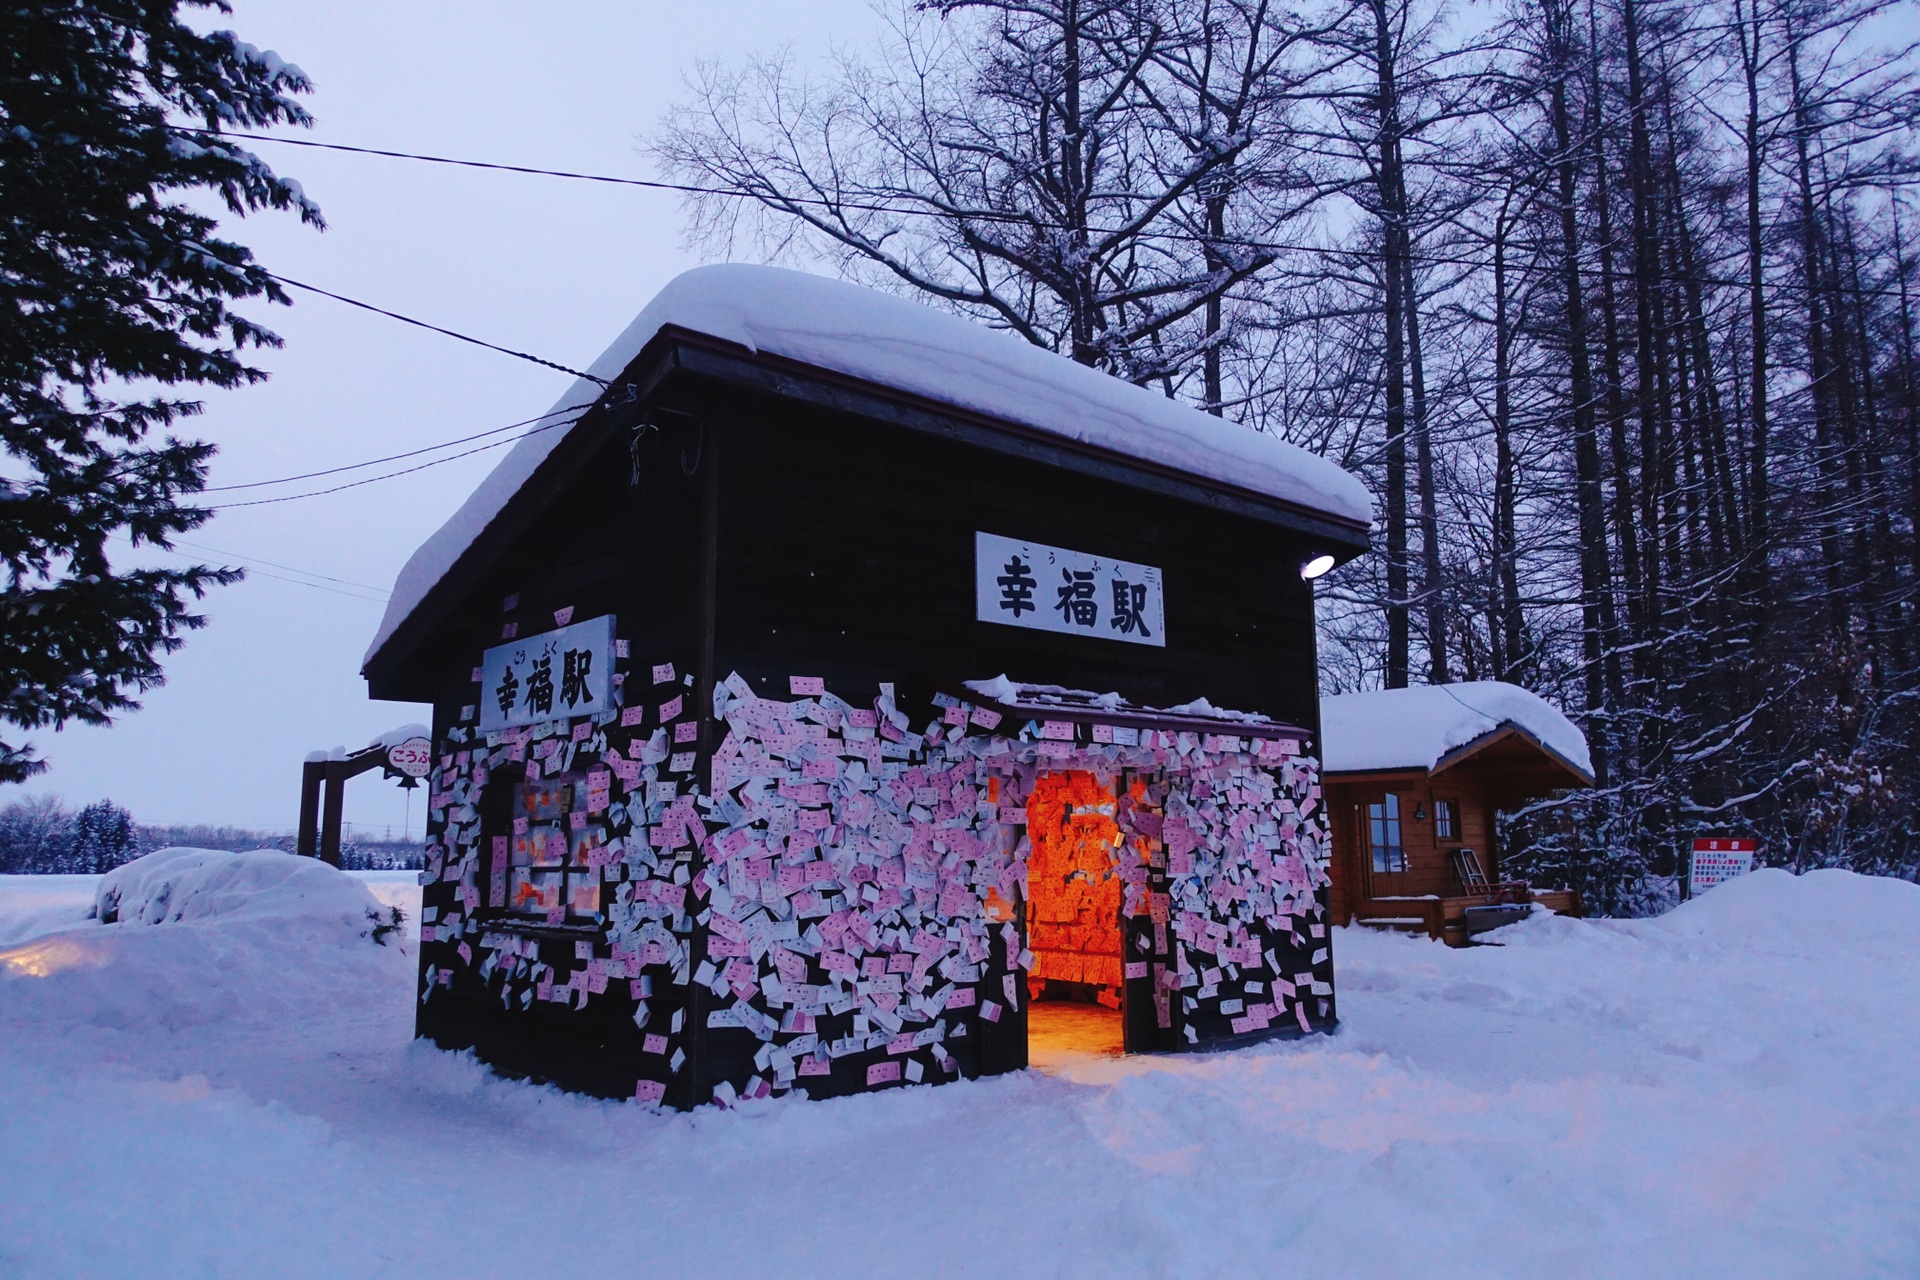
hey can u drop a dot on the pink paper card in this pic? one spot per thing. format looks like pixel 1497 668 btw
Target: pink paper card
pixel 561 617
pixel 883 1073
pixel 670 710
pixel 663 673
pixel 631 716
pixel 650 1091
pixel 686 731
pixel 654 1043
pixel 806 686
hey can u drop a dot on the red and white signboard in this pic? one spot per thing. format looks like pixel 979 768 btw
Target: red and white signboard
pixel 413 758
pixel 1717 859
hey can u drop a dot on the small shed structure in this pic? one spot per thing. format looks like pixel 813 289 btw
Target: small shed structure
pixel 1414 778
pixel 827 678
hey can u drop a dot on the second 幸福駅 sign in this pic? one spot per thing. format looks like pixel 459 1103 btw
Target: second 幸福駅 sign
pixel 556 674
pixel 1029 584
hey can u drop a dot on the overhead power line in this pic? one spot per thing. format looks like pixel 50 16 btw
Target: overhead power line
pixel 392 457
pixel 404 471
pixel 451 333
pixel 776 199
pixel 236 555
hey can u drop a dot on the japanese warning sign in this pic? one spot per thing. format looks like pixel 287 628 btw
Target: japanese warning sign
pixel 568 672
pixel 1029 584
pixel 1718 859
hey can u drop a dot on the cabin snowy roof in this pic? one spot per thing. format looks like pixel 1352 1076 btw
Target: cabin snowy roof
pixel 902 345
pixel 1417 728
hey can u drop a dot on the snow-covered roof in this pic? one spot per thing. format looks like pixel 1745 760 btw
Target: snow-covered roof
pixel 1415 728
pixel 1053 700
pixel 901 344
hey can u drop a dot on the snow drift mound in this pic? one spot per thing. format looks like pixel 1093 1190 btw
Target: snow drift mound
pixel 194 936
pixel 1770 904
pixel 1768 912
pixel 170 886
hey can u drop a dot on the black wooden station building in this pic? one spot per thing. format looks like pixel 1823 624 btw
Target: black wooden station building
pixel 829 678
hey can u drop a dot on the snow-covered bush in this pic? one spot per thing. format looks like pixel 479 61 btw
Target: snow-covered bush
pixel 170 886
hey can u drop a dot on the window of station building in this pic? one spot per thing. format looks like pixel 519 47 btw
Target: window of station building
pixel 1383 834
pixel 1446 819
pixel 548 866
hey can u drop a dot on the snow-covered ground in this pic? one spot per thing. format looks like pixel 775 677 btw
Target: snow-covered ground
pixel 1727 1091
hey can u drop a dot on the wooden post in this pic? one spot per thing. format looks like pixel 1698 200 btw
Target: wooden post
pixel 704 680
pixel 312 774
pixel 330 818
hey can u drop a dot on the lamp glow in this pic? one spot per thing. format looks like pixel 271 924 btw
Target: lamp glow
pixel 1315 567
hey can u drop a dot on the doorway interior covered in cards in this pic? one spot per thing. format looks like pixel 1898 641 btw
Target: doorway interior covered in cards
pixel 1073 913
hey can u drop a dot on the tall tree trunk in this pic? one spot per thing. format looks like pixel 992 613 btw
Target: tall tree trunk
pixel 1819 373
pixel 1596 594
pixel 1507 629
pixel 1393 227
pixel 1759 521
pixel 1625 523
pixel 1432 585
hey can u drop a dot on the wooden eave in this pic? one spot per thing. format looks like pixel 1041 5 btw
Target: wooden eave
pixel 1553 769
pixel 677 351
pixel 1509 732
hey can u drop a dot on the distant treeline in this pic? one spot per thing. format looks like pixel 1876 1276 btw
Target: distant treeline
pixel 40 835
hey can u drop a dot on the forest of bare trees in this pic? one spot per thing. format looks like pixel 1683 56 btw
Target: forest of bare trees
pixel 1611 301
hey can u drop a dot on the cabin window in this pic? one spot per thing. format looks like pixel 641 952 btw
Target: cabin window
pixel 1383 834
pixel 551 868
pixel 1446 822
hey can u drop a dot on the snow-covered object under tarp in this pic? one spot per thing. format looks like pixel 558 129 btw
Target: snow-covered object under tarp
pixel 1415 728
pixel 181 885
pixel 899 344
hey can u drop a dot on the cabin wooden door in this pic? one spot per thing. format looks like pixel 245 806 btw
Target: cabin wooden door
pixel 1381 819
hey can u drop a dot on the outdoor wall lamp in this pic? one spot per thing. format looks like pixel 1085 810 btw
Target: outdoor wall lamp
pixel 1316 566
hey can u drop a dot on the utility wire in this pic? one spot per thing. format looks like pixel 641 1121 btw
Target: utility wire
pixel 252 572
pixel 406 471
pixel 777 200
pixel 395 315
pixel 200 546
pixel 395 457
pixel 680 188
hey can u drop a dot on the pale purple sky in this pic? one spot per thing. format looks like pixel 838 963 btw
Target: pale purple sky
pixel 542 265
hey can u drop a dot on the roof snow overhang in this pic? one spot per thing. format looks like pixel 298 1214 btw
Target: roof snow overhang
pixel 1080 706
pixel 1509 733
pixel 675 353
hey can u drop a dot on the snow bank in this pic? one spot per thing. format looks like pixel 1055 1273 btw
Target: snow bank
pixel 1724 1091
pixel 199 937
pixel 1414 728
pixel 172 885
pixel 897 343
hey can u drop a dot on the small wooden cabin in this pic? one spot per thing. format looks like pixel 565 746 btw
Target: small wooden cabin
pixel 831 687
pixel 1414 778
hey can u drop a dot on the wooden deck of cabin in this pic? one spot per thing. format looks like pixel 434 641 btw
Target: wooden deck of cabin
pixel 1445 918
